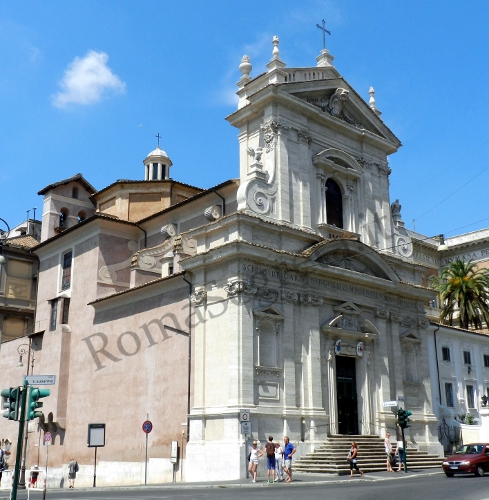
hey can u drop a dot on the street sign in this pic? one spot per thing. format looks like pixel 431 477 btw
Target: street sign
pixel 390 403
pixel 47 438
pixel 96 435
pixel 40 379
pixel 174 452
pixel 244 415
pixel 400 399
pixel 147 426
pixel 245 427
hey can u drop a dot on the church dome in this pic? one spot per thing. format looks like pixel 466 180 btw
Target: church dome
pixel 158 152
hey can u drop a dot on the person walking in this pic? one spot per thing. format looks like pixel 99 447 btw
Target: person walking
pixel 352 456
pixel 388 451
pixel 279 458
pixel 72 470
pixel 270 451
pixel 289 450
pixel 255 453
pixel 3 464
pixel 400 453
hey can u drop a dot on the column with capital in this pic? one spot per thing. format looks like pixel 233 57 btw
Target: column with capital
pixel 321 193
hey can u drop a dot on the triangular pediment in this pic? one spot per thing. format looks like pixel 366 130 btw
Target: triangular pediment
pixel 347 308
pixel 338 100
pixel 410 336
pixel 269 311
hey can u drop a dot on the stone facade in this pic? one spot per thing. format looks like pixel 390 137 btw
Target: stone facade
pixel 294 292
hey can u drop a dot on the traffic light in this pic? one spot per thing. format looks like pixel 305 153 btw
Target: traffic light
pixel 408 422
pixel 12 399
pixel 32 402
pixel 401 418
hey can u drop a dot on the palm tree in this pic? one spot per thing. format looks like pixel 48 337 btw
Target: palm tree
pixel 464 290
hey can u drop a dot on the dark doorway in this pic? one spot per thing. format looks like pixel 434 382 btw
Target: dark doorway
pixel 346 390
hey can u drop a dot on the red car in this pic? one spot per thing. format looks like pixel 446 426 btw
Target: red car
pixel 468 459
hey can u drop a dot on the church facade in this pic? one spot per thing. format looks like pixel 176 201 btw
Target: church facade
pixel 294 292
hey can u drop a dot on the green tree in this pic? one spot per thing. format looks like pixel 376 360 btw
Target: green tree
pixel 464 294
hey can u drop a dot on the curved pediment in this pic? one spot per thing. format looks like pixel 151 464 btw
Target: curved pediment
pixel 354 256
pixel 330 159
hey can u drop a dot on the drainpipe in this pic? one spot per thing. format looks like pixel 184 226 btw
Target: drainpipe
pixel 189 350
pixel 145 235
pixel 223 202
pixel 437 367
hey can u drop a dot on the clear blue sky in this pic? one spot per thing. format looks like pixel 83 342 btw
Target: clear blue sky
pixel 86 85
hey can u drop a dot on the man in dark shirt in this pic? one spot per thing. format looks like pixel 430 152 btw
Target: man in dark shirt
pixel 270 450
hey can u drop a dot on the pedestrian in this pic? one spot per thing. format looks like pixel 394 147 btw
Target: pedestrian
pixel 33 476
pixel 3 465
pixel 72 470
pixel 279 458
pixel 289 450
pixel 255 453
pixel 400 453
pixel 270 451
pixel 388 451
pixel 352 457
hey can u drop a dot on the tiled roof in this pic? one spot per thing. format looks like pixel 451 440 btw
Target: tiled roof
pixel 135 288
pixel 77 177
pixel 162 181
pixel 24 241
pixel 82 223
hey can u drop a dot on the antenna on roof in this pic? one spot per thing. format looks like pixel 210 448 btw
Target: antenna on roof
pixel 28 212
pixel 35 208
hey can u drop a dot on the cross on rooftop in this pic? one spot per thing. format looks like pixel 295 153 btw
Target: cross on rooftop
pixel 158 136
pixel 324 30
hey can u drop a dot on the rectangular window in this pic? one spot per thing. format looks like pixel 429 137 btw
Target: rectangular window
pixel 486 361
pixel 66 277
pixel 445 352
pixel 470 396
pixel 66 311
pixel 54 315
pixel 449 395
pixel 155 171
pixel 467 358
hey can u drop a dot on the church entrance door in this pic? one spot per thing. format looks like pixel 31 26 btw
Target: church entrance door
pixel 346 390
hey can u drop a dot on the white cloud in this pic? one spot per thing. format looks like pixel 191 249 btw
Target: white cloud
pixel 86 79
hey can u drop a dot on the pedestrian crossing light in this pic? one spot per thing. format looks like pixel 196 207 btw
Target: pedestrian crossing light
pixel 33 402
pixel 11 402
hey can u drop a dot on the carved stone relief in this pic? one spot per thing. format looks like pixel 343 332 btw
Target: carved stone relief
pixel 213 213
pixel 108 274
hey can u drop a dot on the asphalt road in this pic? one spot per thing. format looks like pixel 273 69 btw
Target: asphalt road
pixel 412 488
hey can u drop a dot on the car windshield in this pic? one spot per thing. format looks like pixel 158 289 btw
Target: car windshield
pixel 470 449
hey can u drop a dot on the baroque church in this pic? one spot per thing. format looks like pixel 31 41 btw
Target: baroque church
pixel 293 292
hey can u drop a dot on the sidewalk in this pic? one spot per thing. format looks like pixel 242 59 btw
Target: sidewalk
pixel 300 479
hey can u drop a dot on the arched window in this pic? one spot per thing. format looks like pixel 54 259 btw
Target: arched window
pixel 74 193
pixel 82 215
pixel 334 204
pixel 63 217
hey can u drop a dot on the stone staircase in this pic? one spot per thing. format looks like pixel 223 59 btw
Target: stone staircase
pixel 330 457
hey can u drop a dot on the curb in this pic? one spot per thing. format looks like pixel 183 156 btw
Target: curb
pixel 194 486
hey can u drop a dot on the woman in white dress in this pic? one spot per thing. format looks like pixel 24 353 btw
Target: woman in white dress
pixel 255 453
pixel 279 456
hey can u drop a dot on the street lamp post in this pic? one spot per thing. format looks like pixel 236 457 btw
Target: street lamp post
pixel 24 349
pixel 3 237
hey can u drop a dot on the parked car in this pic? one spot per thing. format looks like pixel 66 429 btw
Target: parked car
pixel 468 459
